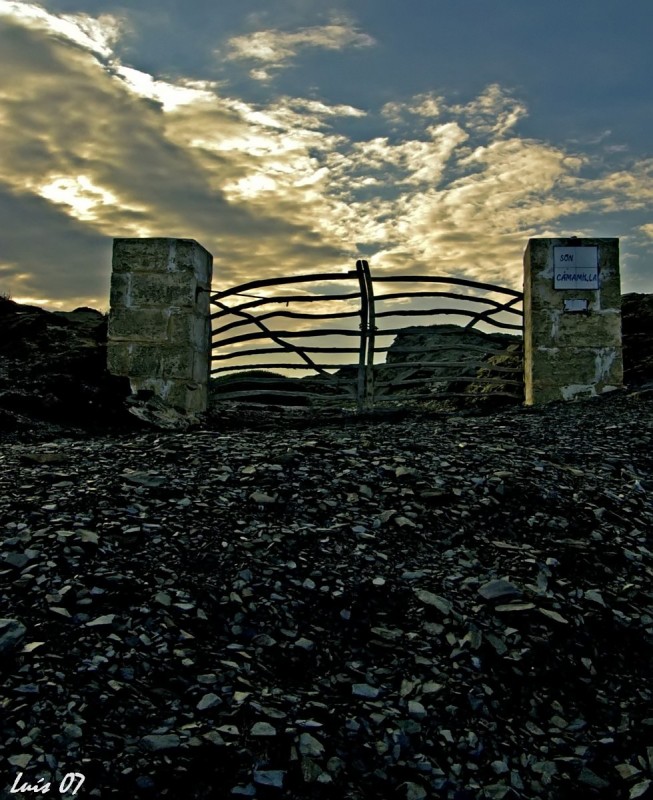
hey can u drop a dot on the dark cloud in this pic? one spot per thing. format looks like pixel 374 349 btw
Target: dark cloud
pixel 47 254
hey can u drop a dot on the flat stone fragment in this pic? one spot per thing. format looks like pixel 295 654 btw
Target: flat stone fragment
pixel 430 599
pixel 404 522
pixel 106 619
pixel 155 743
pixel 12 633
pixel 414 791
pixel 213 737
pixel 209 700
pixel 595 596
pixel 627 771
pixel 416 709
pixel 20 761
pixel 311 770
pixel 269 777
pixel 639 789
pixel 44 458
pixel 244 791
pixel 590 778
pixel 390 634
pixel 73 731
pixel 263 729
pixel 515 607
pixel 493 590
pixel 364 690
pixel 310 746
pixel 262 498
pixel 554 616
pixel 17 560
pixel 148 479
pixel 231 730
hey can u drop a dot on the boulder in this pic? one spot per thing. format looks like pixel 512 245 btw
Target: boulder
pixel 53 370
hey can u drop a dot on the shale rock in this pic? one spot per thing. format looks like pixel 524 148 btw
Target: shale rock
pixel 170 634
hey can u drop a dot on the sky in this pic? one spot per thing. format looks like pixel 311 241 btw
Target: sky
pixel 295 136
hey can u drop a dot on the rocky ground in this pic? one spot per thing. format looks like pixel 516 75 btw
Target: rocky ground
pixel 441 606
pixel 300 603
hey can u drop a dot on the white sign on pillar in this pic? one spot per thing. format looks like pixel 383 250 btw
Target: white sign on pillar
pixel 575 267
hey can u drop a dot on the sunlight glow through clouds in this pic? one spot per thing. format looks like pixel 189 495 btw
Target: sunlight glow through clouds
pixel 80 194
pixel 96 34
pixel 251 186
pixel 170 95
pixel 282 186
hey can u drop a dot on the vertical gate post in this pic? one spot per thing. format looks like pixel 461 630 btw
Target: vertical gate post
pixel 371 337
pixel 572 319
pixel 159 322
pixel 362 349
pixel 365 385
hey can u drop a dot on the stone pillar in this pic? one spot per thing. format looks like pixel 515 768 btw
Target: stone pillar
pixel 572 319
pixel 159 322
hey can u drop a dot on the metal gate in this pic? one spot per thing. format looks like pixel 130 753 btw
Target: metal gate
pixel 352 372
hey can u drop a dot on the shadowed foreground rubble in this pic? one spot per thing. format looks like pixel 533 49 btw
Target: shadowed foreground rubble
pixel 449 607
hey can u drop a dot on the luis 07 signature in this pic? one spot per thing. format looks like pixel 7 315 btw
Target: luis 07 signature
pixel 71 782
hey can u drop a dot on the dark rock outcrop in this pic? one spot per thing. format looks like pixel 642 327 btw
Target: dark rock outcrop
pixel 637 334
pixel 469 363
pixel 53 371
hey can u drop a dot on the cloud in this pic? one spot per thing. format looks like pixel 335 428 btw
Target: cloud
pixel 169 95
pixel 494 111
pixel 100 151
pixel 95 149
pixel 95 34
pixel 275 49
pixel 427 104
pixel 625 189
pixel 56 260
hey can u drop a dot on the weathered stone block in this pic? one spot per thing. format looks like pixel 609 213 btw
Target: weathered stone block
pixel 163 255
pixel 177 363
pixel 141 255
pixel 118 358
pixel 133 359
pixel 188 395
pixel 576 365
pixel 153 290
pixel 189 329
pixel 120 293
pixel 602 328
pixel 203 300
pixel 145 360
pixel 201 367
pixel 139 325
